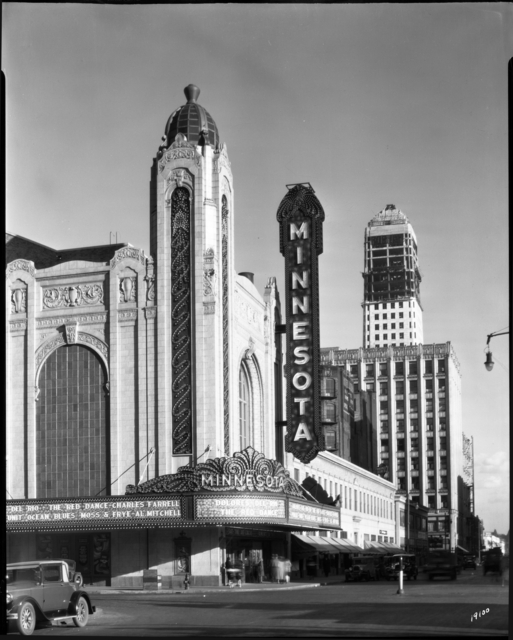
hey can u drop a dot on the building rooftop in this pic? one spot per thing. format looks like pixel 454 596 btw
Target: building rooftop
pixel 193 121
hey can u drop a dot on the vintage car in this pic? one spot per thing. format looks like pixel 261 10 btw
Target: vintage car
pixel 361 569
pixel 41 591
pixel 492 561
pixel 392 566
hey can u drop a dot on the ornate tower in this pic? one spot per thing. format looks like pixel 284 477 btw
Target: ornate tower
pixel 191 230
pixel 392 311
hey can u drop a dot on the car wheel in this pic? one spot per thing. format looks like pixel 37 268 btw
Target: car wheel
pixel 26 622
pixel 80 620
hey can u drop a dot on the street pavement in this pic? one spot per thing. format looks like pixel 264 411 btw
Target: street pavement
pixel 307 609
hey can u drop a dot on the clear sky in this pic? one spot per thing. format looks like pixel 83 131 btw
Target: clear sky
pixel 372 104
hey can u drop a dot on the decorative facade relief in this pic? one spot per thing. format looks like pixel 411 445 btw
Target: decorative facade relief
pixel 179 150
pixel 99 345
pixel 181 321
pixel 18 325
pixel 248 354
pixel 246 313
pixel 47 348
pixel 81 319
pixel 19 300
pixel 127 289
pixel 222 161
pixel 128 252
pixel 127 314
pixel 178 177
pixel 150 280
pixel 23 265
pixel 71 333
pixel 209 273
pixel 72 296
pixel 150 312
pixel 226 335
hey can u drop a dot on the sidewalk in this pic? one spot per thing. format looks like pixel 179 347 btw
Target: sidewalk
pixel 305 583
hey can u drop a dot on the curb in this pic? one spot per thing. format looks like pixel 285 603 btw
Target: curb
pixel 198 590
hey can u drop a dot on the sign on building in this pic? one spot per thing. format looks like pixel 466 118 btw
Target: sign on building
pixel 300 216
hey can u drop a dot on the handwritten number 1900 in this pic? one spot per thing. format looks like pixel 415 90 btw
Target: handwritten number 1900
pixel 479 614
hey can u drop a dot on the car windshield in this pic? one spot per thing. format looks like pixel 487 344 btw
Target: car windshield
pixel 27 574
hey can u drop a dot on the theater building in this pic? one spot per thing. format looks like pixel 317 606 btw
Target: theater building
pixel 143 391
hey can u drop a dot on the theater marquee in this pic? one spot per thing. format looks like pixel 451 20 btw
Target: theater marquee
pixel 301 215
pixel 244 489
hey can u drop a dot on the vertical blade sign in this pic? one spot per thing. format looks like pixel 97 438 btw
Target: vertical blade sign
pixel 301 215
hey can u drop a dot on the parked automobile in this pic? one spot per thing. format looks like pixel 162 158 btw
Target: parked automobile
pixel 41 591
pixel 442 563
pixel 492 561
pixel 361 569
pixel 392 566
pixel 469 562
pixel 73 574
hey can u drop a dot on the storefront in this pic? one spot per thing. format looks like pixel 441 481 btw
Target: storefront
pixel 243 508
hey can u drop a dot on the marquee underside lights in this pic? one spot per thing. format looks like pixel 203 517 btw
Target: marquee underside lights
pixel 300 216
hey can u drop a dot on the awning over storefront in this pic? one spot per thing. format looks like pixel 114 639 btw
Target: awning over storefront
pixel 345 547
pixel 382 547
pixel 319 544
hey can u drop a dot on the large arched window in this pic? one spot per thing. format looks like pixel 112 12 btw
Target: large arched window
pixel 71 425
pixel 244 408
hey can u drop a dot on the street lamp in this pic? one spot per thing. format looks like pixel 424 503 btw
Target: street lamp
pixel 489 362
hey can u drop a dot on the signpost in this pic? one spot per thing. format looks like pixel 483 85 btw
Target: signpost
pixel 300 216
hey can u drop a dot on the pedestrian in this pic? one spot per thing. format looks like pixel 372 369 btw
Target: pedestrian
pixel 275 567
pixel 260 570
pixel 227 572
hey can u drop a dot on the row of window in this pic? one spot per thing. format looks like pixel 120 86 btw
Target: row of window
pixel 354 499
pixel 399 368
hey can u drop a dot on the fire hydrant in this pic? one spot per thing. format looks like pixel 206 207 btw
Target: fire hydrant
pixel 186 582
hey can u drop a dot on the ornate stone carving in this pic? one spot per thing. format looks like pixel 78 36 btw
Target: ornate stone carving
pixel 128 252
pixel 150 280
pixel 72 296
pixel 19 300
pixel 250 350
pixel 226 336
pixel 150 312
pixel 127 289
pixel 209 307
pixel 71 333
pixel 37 391
pixel 23 265
pixel 18 325
pixel 98 344
pixel 181 324
pixel 81 319
pixel 48 347
pixel 182 150
pixel 178 177
pixel 222 160
pixel 127 314
pixel 209 273
pixel 254 471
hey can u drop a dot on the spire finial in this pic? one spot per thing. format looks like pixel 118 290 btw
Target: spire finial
pixel 191 92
